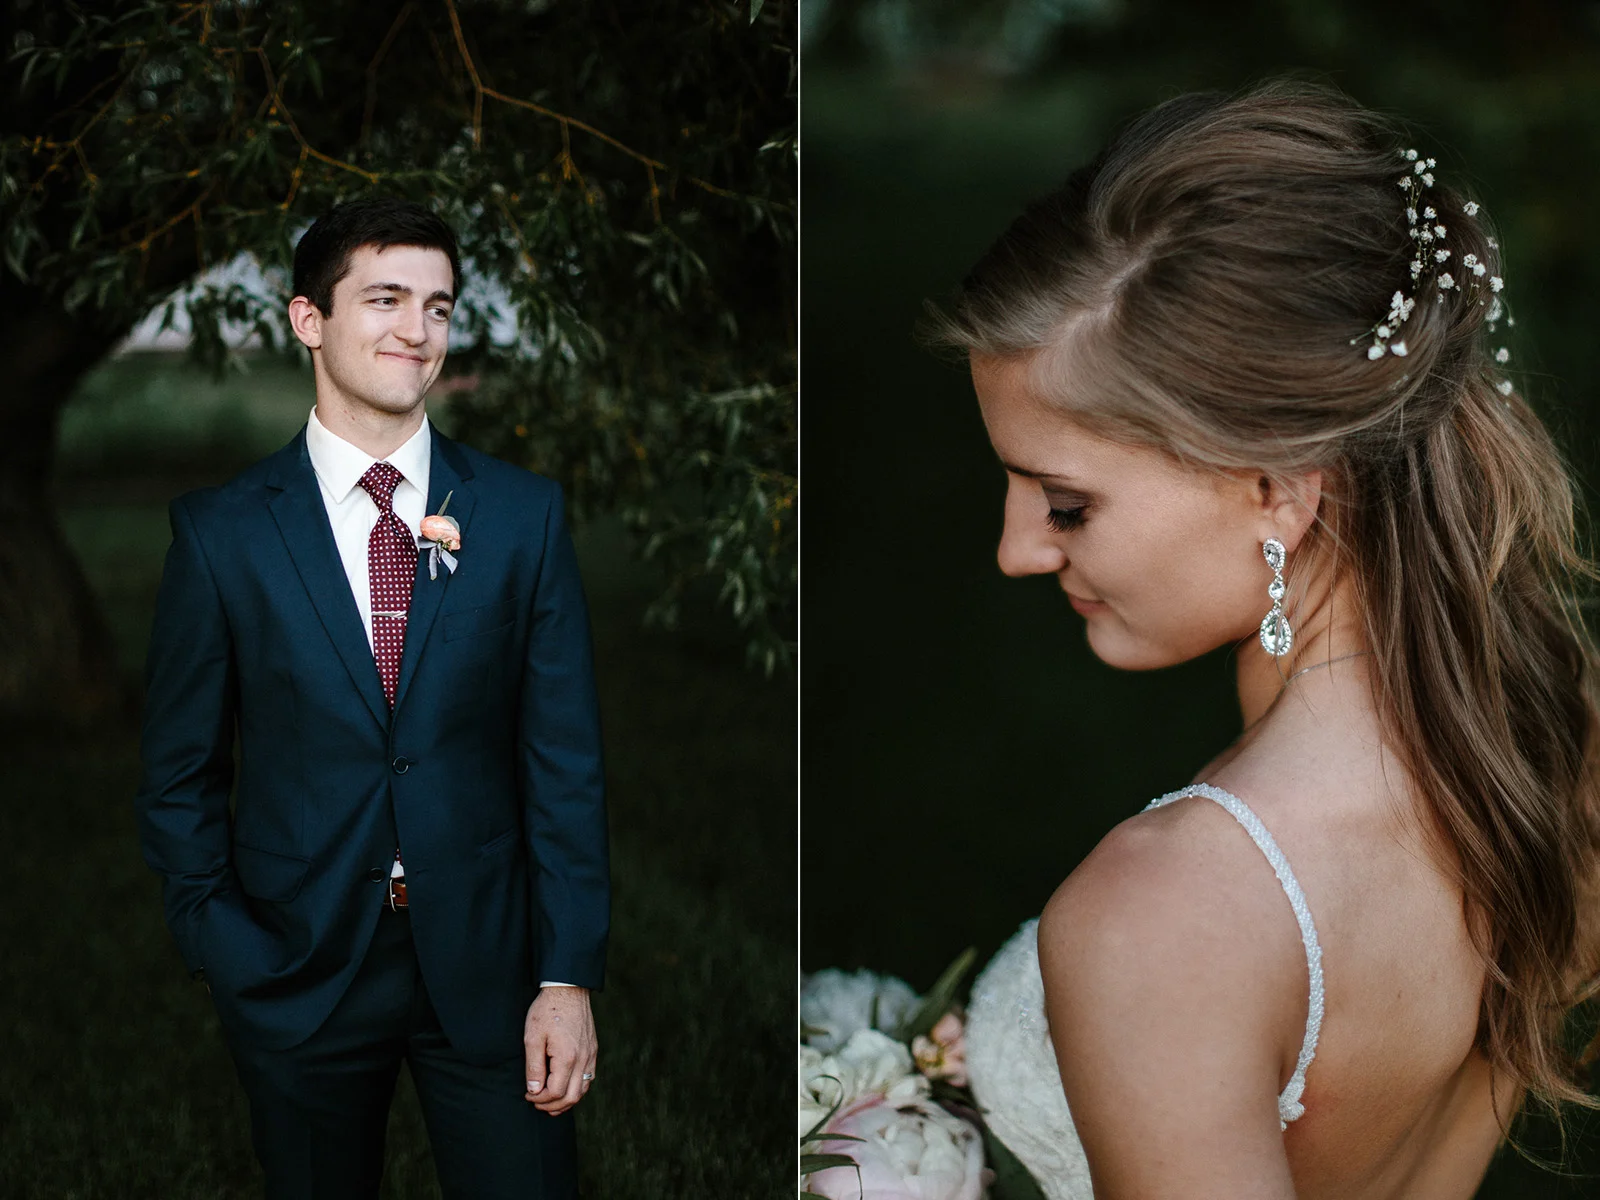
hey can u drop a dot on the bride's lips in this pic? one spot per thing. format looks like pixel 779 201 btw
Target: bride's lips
pixel 1086 607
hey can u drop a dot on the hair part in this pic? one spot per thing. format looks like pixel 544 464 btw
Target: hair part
pixel 1216 273
pixel 322 256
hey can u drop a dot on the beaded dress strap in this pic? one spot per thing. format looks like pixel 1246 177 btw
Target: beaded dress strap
pixel 1289 1106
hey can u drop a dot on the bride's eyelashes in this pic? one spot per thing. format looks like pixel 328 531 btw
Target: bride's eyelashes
pixel 1061 520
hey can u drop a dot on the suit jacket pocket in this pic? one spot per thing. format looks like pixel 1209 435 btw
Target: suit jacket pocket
pixel 268 875
pixel 484 619
pixel 500 841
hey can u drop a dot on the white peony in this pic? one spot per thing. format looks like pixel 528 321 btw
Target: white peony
pixel 909 1151
pixel 870 1064
pixel 841 1002
pixel 817 1093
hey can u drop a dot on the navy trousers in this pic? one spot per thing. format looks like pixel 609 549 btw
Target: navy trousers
pixel 319 1111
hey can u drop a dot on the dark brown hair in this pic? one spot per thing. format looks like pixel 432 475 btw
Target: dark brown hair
pixel 1217 271
pixel 322 255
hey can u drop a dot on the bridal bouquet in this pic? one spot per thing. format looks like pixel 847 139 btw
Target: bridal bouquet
pixel 884 1111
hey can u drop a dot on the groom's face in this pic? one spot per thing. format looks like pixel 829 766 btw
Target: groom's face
pixel 383 344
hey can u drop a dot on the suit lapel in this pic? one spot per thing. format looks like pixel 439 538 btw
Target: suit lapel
pixel 303 520
pixel 448 473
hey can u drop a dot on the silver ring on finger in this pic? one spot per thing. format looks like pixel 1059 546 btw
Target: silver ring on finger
pixel 587 1076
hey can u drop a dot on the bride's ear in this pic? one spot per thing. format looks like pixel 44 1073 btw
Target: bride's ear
pixel 1288 506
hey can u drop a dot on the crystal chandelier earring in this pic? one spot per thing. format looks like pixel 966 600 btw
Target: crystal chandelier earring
pixel 1276 636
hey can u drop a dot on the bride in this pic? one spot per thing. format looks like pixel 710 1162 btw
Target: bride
pixel 1241 374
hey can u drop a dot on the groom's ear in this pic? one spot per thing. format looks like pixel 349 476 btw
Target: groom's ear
pixel 305 318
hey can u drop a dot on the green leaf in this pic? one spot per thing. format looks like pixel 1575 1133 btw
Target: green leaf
pixel 1011 1179
pixel 831 1137
pixel 821 1162
pixel 755 10
pixel 811 1134
pixel 941 996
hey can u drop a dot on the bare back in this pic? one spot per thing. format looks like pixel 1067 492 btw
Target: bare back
pixel 1399 1099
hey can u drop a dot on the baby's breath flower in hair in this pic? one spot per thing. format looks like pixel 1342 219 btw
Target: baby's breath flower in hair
pixel 1428 234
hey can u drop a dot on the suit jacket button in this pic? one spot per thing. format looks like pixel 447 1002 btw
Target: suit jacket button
pixel 377 874
pixel 401 765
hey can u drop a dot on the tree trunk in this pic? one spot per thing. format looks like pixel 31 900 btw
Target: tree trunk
pixel 58 662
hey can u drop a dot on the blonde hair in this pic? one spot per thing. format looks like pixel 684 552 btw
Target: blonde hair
pixel 1218 270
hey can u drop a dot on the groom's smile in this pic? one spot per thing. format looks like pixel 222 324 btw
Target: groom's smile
pixel 383 340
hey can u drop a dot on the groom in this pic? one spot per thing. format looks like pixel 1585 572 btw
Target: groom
pixel 414 862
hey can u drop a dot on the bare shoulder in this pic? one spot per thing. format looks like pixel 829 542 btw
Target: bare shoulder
pixel 1176 991
pixel 1184 893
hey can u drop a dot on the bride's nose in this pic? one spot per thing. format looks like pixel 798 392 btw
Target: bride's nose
pixel 1028 546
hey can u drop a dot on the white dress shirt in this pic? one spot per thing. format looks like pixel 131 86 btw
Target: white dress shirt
pixel 352 512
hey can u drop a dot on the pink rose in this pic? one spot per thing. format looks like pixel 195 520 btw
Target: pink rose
pixel 943 1053
pixel 443 530
pixel 909 1151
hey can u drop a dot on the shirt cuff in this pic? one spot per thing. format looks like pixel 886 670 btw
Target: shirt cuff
pixel 544 983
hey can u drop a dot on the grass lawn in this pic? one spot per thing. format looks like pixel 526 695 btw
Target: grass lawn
pixel 113 1078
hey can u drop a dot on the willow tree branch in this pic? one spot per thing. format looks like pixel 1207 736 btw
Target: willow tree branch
pixel 480 90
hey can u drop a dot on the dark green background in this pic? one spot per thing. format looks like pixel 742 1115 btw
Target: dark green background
pixel 962 749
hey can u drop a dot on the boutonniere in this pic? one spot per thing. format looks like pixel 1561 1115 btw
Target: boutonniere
pixel 440 534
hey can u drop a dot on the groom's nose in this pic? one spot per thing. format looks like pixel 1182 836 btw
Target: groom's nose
pixel 410 326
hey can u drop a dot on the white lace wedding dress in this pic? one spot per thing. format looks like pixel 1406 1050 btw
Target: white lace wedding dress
pixel 1012 1066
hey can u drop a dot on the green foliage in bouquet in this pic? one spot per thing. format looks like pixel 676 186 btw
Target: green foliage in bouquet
pixel 957 1100
pixel 622 180
pixel 811 1161
pixel 940 999
pixel 1011 1179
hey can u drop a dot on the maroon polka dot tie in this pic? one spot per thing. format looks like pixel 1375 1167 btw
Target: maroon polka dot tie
pixel 391 566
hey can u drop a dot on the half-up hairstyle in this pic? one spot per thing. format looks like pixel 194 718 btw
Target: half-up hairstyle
pixel 1217 272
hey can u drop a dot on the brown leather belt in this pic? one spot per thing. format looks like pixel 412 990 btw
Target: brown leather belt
pixel 396 899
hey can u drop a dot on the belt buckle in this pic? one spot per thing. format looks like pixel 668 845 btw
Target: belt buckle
pixel 397 894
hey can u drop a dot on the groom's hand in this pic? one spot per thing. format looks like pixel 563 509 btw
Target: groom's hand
pixel 558 1041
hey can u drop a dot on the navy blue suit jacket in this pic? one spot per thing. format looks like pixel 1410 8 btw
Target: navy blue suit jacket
pixel 487 774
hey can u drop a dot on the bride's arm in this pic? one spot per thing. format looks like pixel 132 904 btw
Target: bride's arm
pixel 1176 990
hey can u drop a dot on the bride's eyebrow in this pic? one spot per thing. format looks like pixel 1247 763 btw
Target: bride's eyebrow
pixel 1029 473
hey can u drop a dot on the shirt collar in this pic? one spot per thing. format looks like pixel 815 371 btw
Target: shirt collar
pixel 340 464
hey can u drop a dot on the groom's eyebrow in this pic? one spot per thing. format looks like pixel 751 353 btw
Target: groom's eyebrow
pixel 405 290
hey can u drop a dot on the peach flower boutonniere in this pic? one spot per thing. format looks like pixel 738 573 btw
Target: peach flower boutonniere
pixel 440 535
